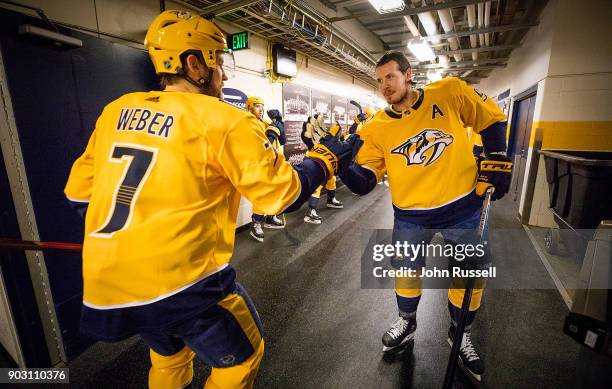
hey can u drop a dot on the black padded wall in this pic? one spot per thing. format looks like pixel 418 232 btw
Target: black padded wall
pixel 57 95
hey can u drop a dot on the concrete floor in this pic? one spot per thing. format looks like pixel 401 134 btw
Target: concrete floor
pixel 323 331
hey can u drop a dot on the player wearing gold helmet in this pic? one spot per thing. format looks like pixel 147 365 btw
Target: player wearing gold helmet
pixel 317 128
pixel 159 184
pixel 275 131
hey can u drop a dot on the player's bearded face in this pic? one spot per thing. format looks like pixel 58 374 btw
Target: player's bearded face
pixel 218 78
pixel 392 83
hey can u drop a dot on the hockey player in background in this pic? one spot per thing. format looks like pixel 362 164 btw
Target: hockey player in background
pixel 275 132
pixel 420 141
pixel 316 129
pixel 159 185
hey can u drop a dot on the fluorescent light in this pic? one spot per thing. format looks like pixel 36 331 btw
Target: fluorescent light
pixel 384 6
pixel 421 50
pixel 434 76
pixel 28 29
pixel 443 60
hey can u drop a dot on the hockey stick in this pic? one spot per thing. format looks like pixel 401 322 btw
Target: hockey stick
pixel 467 298
pixel 18 244
pixel 356 104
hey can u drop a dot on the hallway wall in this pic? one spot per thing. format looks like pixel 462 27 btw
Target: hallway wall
pixel 568 57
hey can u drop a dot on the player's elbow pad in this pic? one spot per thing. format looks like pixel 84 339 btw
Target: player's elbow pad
pixel 359 180
pixel 494 138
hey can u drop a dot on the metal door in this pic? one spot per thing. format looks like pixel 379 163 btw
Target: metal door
pixel 522 128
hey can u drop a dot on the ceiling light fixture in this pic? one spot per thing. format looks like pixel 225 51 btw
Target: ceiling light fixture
pixel 443 60
pixel 384 6
pixel 421 49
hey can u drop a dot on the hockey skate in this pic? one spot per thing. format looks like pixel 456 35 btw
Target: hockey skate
pixel 334 203
pixel 401 332
pixel 468 357
pixel 273 222
pixel 312 217
pixel 257 232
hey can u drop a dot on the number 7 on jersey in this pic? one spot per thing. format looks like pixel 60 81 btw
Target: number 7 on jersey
pixel 139 162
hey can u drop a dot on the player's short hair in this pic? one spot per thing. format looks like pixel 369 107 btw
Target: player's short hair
pixel 399 58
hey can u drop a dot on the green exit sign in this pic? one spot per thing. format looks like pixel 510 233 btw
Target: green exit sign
pixel 239 40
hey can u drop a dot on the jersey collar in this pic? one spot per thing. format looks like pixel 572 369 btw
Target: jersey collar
pixel 398 115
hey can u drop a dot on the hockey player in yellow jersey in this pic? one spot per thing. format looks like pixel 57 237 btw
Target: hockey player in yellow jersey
pixel 159 185
pixel 420 141
pixel 275 132
pixel 318 130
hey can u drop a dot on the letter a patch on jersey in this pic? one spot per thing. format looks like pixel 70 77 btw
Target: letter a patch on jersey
pixel 435 110
pixel 424 148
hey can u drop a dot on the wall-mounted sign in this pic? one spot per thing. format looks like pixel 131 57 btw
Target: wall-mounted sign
pixel 239 40
pixel 235 97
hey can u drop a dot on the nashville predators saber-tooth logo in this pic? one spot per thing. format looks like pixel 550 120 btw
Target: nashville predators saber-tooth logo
pixel 424 148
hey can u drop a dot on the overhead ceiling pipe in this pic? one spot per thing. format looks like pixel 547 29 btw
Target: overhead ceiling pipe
pixel 487 20
pixel 429 24
pixel 481 22
pixel 446 19
pixel 411 26
pixel 471 13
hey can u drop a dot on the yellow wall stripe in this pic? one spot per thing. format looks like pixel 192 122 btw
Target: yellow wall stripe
pixel 583 135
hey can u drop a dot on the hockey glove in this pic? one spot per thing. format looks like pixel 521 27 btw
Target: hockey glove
pixel 335 129
pixel 360 118
pixel 275 115
pixel 495 171
pixel 335 154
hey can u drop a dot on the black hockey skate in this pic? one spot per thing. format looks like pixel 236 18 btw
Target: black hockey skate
pixel 334 203
pixel 312 217
pixel 257 232
pixel 468 356
pixel 273 222
pixel 401 332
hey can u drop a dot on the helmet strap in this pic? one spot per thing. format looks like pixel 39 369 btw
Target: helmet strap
pixel 202 84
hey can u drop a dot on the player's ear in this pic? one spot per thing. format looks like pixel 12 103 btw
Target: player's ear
pixel 408 75
pixel 193 64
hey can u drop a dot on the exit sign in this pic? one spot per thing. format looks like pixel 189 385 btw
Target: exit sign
pixel 239 40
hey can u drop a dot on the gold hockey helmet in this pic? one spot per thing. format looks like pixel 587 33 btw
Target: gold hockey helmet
pixel 174 32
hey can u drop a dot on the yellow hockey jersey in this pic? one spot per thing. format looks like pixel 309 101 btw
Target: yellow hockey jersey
pixel 474 138
pixel 266 126
pixel 425 150
pixel 163 173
